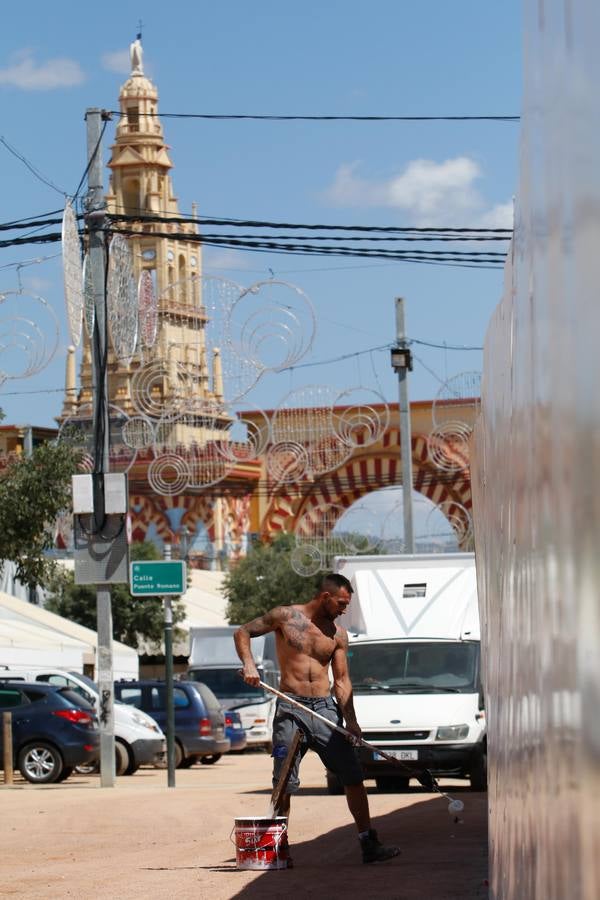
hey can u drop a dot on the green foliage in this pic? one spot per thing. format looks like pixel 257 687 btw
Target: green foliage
pixel 135 619
pixel 264 579
pixel 33 491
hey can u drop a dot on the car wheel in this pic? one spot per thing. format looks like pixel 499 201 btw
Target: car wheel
pixel 210 759
pixel 478 773
pixel 188 762
pixel 334 785
pixel 40 763
pixel 131 768
pixel 179 755
pixel 393 784
pixel 67 770
pixel 121 758
pixel 88 768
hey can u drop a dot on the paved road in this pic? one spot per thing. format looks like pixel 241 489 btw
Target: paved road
pixel 142 839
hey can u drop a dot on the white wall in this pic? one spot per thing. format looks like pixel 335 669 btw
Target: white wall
pixel 536 474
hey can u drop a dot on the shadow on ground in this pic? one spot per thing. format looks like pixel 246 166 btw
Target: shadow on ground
pixel 440 860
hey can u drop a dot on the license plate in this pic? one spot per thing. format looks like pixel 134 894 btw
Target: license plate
pixel 236 725
pixel 397 754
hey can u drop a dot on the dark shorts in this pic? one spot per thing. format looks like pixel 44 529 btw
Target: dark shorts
pixel 336 752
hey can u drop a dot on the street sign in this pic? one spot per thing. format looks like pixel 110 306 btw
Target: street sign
pixel 157 578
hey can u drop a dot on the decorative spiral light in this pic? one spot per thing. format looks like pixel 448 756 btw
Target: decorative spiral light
pixel 459 523
pixel 79 431
pixel 161 387
pixel 306 560
pixel 72 273
pixel 247 436
pixel 305 417
pixel 194 315
pixel 122 300
pixel 448 446
pixel 168 474
pixel 458 397
pixel 198 439
pixel 29 335
pixel 359 529
pixel 287 462
pixel 138 432
pixel 147 309
pixel 273 324
pixel 360 416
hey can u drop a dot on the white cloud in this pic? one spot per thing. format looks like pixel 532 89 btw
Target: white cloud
pixel 117 61
pixel 25 73
pixel 500 216
pixel 427 192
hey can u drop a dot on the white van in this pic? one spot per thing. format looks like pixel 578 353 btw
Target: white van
pixel 413 657
pixel 138 739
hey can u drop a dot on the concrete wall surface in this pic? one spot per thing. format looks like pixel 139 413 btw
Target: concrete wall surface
pixel 536 474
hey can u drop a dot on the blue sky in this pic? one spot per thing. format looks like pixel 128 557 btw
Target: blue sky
pixel 339 57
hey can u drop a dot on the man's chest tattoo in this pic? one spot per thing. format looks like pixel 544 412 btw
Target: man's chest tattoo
pixel 296 631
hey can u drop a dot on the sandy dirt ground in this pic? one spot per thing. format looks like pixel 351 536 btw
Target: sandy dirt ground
pixel 142 839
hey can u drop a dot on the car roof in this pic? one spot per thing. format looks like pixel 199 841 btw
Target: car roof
pixel 38 685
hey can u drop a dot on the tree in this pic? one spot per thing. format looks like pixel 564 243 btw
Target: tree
pixel 264 579
pixel 135 619
pixel 33 491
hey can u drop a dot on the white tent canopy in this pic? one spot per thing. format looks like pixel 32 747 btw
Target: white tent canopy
pixel 60 639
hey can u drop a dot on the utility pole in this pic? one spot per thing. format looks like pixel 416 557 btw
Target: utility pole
pixel 95 210
pixel 402 364
pixel 168 608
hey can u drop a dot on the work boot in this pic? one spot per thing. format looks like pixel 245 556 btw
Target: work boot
pixel 374 851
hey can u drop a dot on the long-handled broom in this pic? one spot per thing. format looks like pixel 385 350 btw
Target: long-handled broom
pixel 455 806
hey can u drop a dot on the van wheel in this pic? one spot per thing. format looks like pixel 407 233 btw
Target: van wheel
pixel 334 785
pixel 40 763
pixel 392 785
pixel 121 758
pixel 478 773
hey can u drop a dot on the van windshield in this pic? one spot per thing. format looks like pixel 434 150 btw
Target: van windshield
pixel 420 667
pixel 226 684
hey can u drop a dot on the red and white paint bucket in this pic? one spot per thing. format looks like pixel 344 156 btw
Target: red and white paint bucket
pixel 261 842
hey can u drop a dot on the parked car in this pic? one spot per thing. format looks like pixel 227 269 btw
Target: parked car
pixel 199 719
pixel 234 730
pixel 53 729
pixel 138 738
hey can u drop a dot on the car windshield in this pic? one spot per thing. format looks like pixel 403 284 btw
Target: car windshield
pixel 227 684
pixel 420 667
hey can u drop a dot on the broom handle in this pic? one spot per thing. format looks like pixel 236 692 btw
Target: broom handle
pixel 347 734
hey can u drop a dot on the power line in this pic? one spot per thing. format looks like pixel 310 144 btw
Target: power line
pixel 315 118
pixel 31 167
pixel 142 216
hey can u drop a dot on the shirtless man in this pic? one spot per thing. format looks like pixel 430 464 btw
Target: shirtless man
pixel 308 642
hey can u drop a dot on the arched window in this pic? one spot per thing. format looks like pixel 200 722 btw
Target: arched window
pixel 131 196
pixel 182 285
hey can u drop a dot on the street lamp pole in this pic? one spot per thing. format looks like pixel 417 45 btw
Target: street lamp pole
pixel 402 365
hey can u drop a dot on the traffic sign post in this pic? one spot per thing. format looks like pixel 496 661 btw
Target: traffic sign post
pixel 157 578
pixel 162 578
